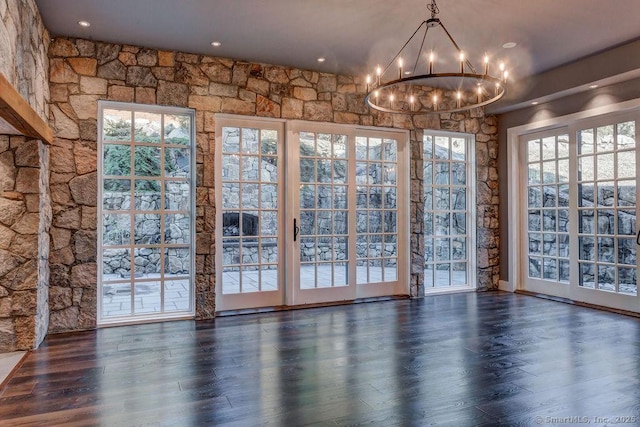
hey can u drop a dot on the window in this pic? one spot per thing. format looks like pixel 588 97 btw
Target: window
pixel 146 198
pixel 448 211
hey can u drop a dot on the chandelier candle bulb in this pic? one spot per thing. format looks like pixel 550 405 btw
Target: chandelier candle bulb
pixel 462 62
pixel 501 66
pixel 379 73
pixel 412 99
pixel 505 75
pixel 368 82
pixel 486 64
pixel 479 94
pixel 431 58
pixel 459 98
pixel 400 68
pixel 435 102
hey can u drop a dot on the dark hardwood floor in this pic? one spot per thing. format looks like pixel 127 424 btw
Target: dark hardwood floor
pixel 460 360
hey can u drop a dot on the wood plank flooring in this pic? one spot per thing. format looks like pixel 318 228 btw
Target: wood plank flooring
pixel 461 360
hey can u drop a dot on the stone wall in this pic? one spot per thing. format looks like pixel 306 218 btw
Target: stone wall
pixel 82 72
pixel 25 215
pixel 23 52
pixel 25 210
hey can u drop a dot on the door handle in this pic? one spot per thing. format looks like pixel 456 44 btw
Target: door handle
pixel 296 230
pixel 638 238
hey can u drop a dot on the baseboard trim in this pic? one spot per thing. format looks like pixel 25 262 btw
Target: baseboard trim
pixel 301 306
pixel 448 291
pixel 504 285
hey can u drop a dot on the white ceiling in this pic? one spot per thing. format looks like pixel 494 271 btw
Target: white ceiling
pixel 353 35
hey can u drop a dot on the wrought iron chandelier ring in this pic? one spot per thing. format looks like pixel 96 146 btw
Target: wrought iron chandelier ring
pixel 429 92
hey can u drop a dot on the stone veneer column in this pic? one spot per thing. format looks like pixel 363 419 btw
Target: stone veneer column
pixel 83 72
pixel 25 209
pixel 25 216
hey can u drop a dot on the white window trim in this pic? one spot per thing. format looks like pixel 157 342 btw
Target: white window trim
pixel 145 318
pixel 514 192
pixel 471 215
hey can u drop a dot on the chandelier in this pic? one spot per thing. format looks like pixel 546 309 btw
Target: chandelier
pixel 425 88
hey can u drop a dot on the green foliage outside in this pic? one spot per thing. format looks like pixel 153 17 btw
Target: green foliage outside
pixel 117 157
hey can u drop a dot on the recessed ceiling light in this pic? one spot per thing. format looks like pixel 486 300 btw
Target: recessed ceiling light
pixel 509 45
pixel 216 44
pixel 407 72
pixel 321 59
pixel 593 86
pixel 84 23
pixel 534 103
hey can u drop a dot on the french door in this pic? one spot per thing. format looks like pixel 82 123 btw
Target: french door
pixel 250 214
pixel 310 216
pixel 580 215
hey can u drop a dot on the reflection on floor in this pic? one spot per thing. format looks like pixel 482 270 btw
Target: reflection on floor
pixel 310 277
pixel 117 300
pixel 474 359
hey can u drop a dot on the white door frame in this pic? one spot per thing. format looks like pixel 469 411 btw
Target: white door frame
pixel 289 292
pixel 297 296
pixel 516 231
pixel 540 285
pixel 261 298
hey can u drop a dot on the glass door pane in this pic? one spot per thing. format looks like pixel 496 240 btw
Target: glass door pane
pixel 323 210
pixel 347 201
pixel 547 160
pixel 376 210
pixel 316 198
pixel 606 178
pixel 250 214
pixel 579 211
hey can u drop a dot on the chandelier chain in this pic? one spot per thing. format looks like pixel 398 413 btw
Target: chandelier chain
pixel 433 8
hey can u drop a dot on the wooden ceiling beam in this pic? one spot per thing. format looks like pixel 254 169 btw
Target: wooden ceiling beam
pixel 17 112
